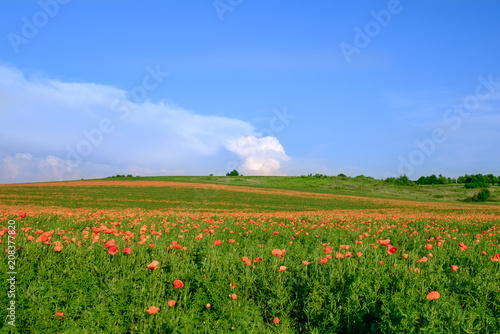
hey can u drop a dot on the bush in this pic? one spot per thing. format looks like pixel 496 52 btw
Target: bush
pixel 477 184
pixel 481 196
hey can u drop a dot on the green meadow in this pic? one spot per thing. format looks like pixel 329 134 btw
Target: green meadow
pixel 254 255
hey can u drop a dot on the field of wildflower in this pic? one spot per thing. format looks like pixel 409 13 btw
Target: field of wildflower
pixel 158 258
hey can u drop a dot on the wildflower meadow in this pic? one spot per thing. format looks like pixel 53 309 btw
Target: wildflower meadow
pixel 236 263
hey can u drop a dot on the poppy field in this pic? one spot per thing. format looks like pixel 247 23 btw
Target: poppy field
pixel 163 266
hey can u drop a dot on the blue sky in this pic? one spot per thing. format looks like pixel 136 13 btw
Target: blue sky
pixel 96 88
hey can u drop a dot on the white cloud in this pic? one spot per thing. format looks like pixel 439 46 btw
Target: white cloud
pixel 262 156
pixel 23 167
pixel 55 130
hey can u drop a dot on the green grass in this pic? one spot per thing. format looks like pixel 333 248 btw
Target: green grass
pixel 103 293
pixel 354 186
pixel 181 198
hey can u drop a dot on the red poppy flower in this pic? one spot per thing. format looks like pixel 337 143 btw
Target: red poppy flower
pixel 454 268
pixel 178 284
pixel 257 259
pixel 58 314
pixel 276 320
pixel 277 252
pixel 385 242
pixel 405 256
pixel 234 296
pixel 152 310
pixel 109 243
pixel 153 265
pixel 305 263
pixel 217 242
pixel 359 254
pixel 381 263
pixel 171 303
pixel 58 248
pixel 339 255
pixel 275 233
pixel 433 295
pixel 127 250
pixel 424 259
pixel 23 215
pixel 428 246
pixel 232 285
pixel 208 305
pixel 462 246
pixel 282 268
pixel 230 241
pixel 391 250
pixel 323 260
pixel 328 249
pixel 113 249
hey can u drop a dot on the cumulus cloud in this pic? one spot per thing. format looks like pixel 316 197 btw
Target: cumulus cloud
pixel 261 156
pixel 53 130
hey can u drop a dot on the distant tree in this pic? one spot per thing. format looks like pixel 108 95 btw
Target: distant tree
pixel 422 180
pixel 442 179
pixel 402 180
pixel 490 178
pixel 433 179
pixel 233 173
pixel 341 175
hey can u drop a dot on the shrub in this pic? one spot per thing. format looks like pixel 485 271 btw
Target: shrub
pixel 481 196
pixel 477 184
